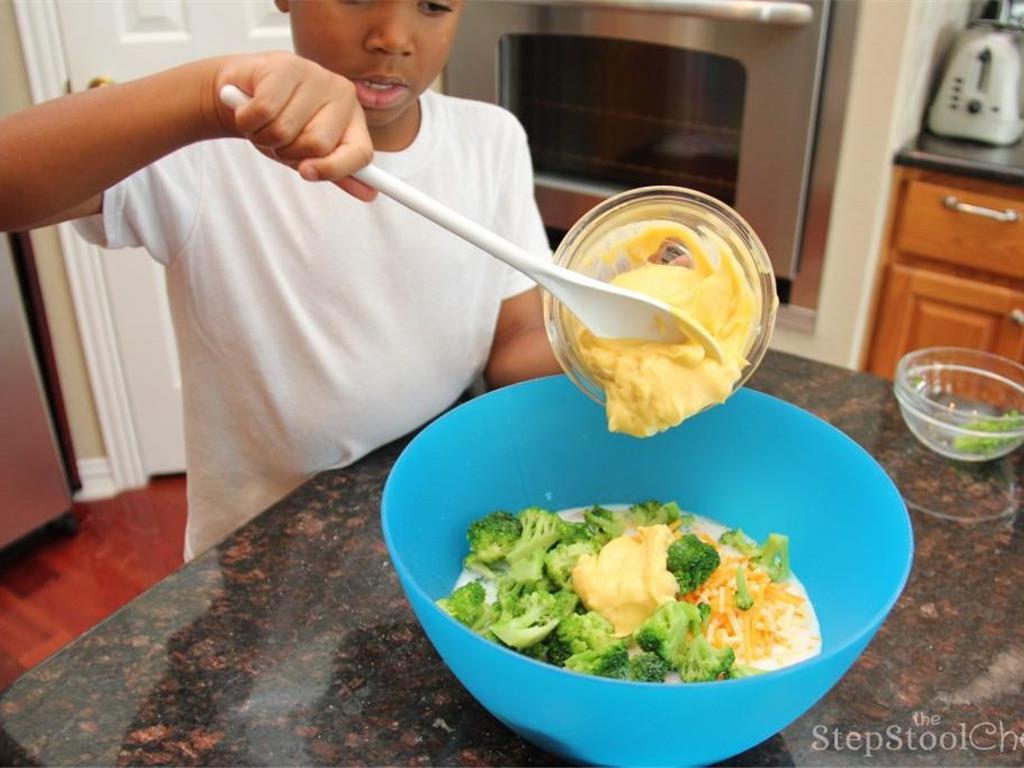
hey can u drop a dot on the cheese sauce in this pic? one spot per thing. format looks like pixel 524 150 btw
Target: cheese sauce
pixel 651 386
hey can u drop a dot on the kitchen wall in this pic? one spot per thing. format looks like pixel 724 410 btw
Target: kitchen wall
pixel 78 400
pixel 899 46
pixel 934 28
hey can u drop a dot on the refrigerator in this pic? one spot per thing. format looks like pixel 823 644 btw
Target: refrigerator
pixel 33 480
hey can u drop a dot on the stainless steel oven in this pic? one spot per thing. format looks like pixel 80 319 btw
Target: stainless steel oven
pixel 723 96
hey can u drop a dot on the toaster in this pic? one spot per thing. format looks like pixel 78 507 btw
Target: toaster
pixel 980 94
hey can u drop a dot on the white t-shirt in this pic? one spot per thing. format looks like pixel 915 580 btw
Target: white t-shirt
pixel 312 327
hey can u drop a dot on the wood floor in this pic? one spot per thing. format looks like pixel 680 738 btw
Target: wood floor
pixel 54 587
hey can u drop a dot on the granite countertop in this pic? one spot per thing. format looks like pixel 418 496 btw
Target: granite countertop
pixel 966 158
pixel 272 648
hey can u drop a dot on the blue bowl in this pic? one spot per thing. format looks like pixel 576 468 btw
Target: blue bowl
pixel 753 462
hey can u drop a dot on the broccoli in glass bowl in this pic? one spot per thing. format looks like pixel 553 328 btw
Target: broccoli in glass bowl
pixel 962 403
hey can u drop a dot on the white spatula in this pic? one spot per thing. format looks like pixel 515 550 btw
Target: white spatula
pixel 607 310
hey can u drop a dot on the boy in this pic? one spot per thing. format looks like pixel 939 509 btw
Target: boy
pixel 312 327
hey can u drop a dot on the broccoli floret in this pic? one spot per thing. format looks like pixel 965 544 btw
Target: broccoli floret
pixel 705 615
pixel 465 604
pixel 559 651
pixel 488 615
pixel 739 541
pixel 559 562
pixel 562 605
pixel 468 605
pixel 491 537
pixel 1008 422
pixel 666 629
pixel 691 561
pixel 487 570
pixel 575 532
pixel 652 513
pixel 538 651
pixel 577 633
pixel 611 661
pixel 604 523
pixel 674 632
pixel 738 671
pixel 566 603
pixel 742 596
pixel 537 616
pixel 774 557
pixel 540 530
pixel 648 668
pixel 511 592
pixel 700 661
pixel 584 631
pixel 528 569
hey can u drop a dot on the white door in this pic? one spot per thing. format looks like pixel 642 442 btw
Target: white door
pixel 123 40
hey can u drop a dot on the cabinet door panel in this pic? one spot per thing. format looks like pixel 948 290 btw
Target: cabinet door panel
pixel 936 323
pixel 921 308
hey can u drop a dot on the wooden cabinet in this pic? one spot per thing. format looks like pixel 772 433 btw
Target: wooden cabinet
pixel 953 273
pixel 982 232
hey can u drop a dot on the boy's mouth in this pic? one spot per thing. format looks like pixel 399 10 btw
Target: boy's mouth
pixel 379 92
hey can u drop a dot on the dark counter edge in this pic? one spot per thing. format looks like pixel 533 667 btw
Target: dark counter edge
pixel 1004 165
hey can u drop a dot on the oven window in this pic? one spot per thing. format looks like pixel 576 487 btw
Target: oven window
pixel 626 114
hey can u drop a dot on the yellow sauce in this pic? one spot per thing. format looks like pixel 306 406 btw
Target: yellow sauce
pixel 652 386
pixel 627 580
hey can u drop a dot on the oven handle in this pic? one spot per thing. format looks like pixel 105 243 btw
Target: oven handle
pixel 774 12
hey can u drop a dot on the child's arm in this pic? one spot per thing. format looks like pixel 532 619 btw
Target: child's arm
pixel 56 159
pixel 520 349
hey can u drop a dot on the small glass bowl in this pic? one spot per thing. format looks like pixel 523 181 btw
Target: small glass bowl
pixel 962 403
pixel 585 244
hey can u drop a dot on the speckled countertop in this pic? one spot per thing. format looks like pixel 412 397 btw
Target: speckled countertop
pixel 967 158
pixel 267 650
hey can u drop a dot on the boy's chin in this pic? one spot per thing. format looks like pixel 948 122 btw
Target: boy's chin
pixel 391 118
pixel 389 115
pixel 381 118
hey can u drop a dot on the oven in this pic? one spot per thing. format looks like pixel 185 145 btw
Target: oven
pixel 722 96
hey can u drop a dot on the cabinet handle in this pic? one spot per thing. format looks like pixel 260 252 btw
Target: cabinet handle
pixel 1007 215
pixel 1017 316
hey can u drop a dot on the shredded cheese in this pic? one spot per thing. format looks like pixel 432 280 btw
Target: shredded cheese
pixel 771 631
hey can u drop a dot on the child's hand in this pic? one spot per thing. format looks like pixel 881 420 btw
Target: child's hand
pixel 301 115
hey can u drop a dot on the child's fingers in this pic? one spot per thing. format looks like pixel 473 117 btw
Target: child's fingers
pixel 305 117
pixel 272 154
pixel 321 134
pixel 293 119
pixel 270 95
pixel 358 190
pixel 355 151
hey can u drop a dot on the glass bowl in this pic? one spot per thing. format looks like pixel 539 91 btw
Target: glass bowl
pixel 962 403
pixel 585 245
